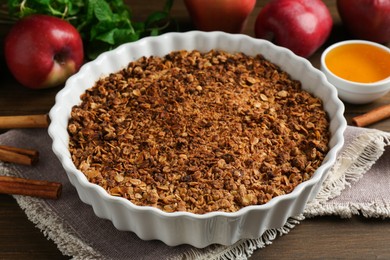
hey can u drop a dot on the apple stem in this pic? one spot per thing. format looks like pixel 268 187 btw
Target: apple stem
pixel 22 6
pixel 65 12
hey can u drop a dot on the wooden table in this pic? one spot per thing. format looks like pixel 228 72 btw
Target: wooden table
pixel 317 238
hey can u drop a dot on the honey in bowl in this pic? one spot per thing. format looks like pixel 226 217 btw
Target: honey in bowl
pixel 359 62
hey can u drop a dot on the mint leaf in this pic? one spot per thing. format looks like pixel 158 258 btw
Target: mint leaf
pixel 102 10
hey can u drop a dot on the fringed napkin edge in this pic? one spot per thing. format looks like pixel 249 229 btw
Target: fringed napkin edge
pixel 350 167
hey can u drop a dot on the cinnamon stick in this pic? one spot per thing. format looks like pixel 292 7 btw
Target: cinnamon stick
pixel 35 188
pixel 372 116
pixel 26 121
pixel 18 155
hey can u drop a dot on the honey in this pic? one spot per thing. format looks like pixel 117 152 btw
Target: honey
pixel 359 62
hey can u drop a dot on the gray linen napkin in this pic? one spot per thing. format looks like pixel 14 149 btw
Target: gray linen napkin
pixel 360 179
pixel 78 233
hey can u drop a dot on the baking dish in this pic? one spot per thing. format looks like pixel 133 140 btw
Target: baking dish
pixel 199 230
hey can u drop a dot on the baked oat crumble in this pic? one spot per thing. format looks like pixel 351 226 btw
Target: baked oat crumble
pixel 198 132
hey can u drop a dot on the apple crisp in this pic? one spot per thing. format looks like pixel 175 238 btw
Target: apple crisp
pixel 198 132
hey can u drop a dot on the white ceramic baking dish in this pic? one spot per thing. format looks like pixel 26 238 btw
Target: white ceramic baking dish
pixel 182 227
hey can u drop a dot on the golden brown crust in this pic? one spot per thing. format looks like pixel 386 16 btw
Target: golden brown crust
pixel 198 132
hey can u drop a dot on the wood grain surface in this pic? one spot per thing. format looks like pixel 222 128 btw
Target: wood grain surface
pixel 317 238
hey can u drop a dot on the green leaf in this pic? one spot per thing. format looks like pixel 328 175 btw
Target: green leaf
pixel 90 10
pixel 100 28
pixel 102 10
pixel 125 35
pixel 107 37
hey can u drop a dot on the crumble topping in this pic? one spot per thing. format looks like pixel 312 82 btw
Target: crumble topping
pixel 198 132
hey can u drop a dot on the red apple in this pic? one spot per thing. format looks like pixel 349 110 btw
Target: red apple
pixel 366 19
pixel 299 25
pixel 43 51
pixel 220 15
